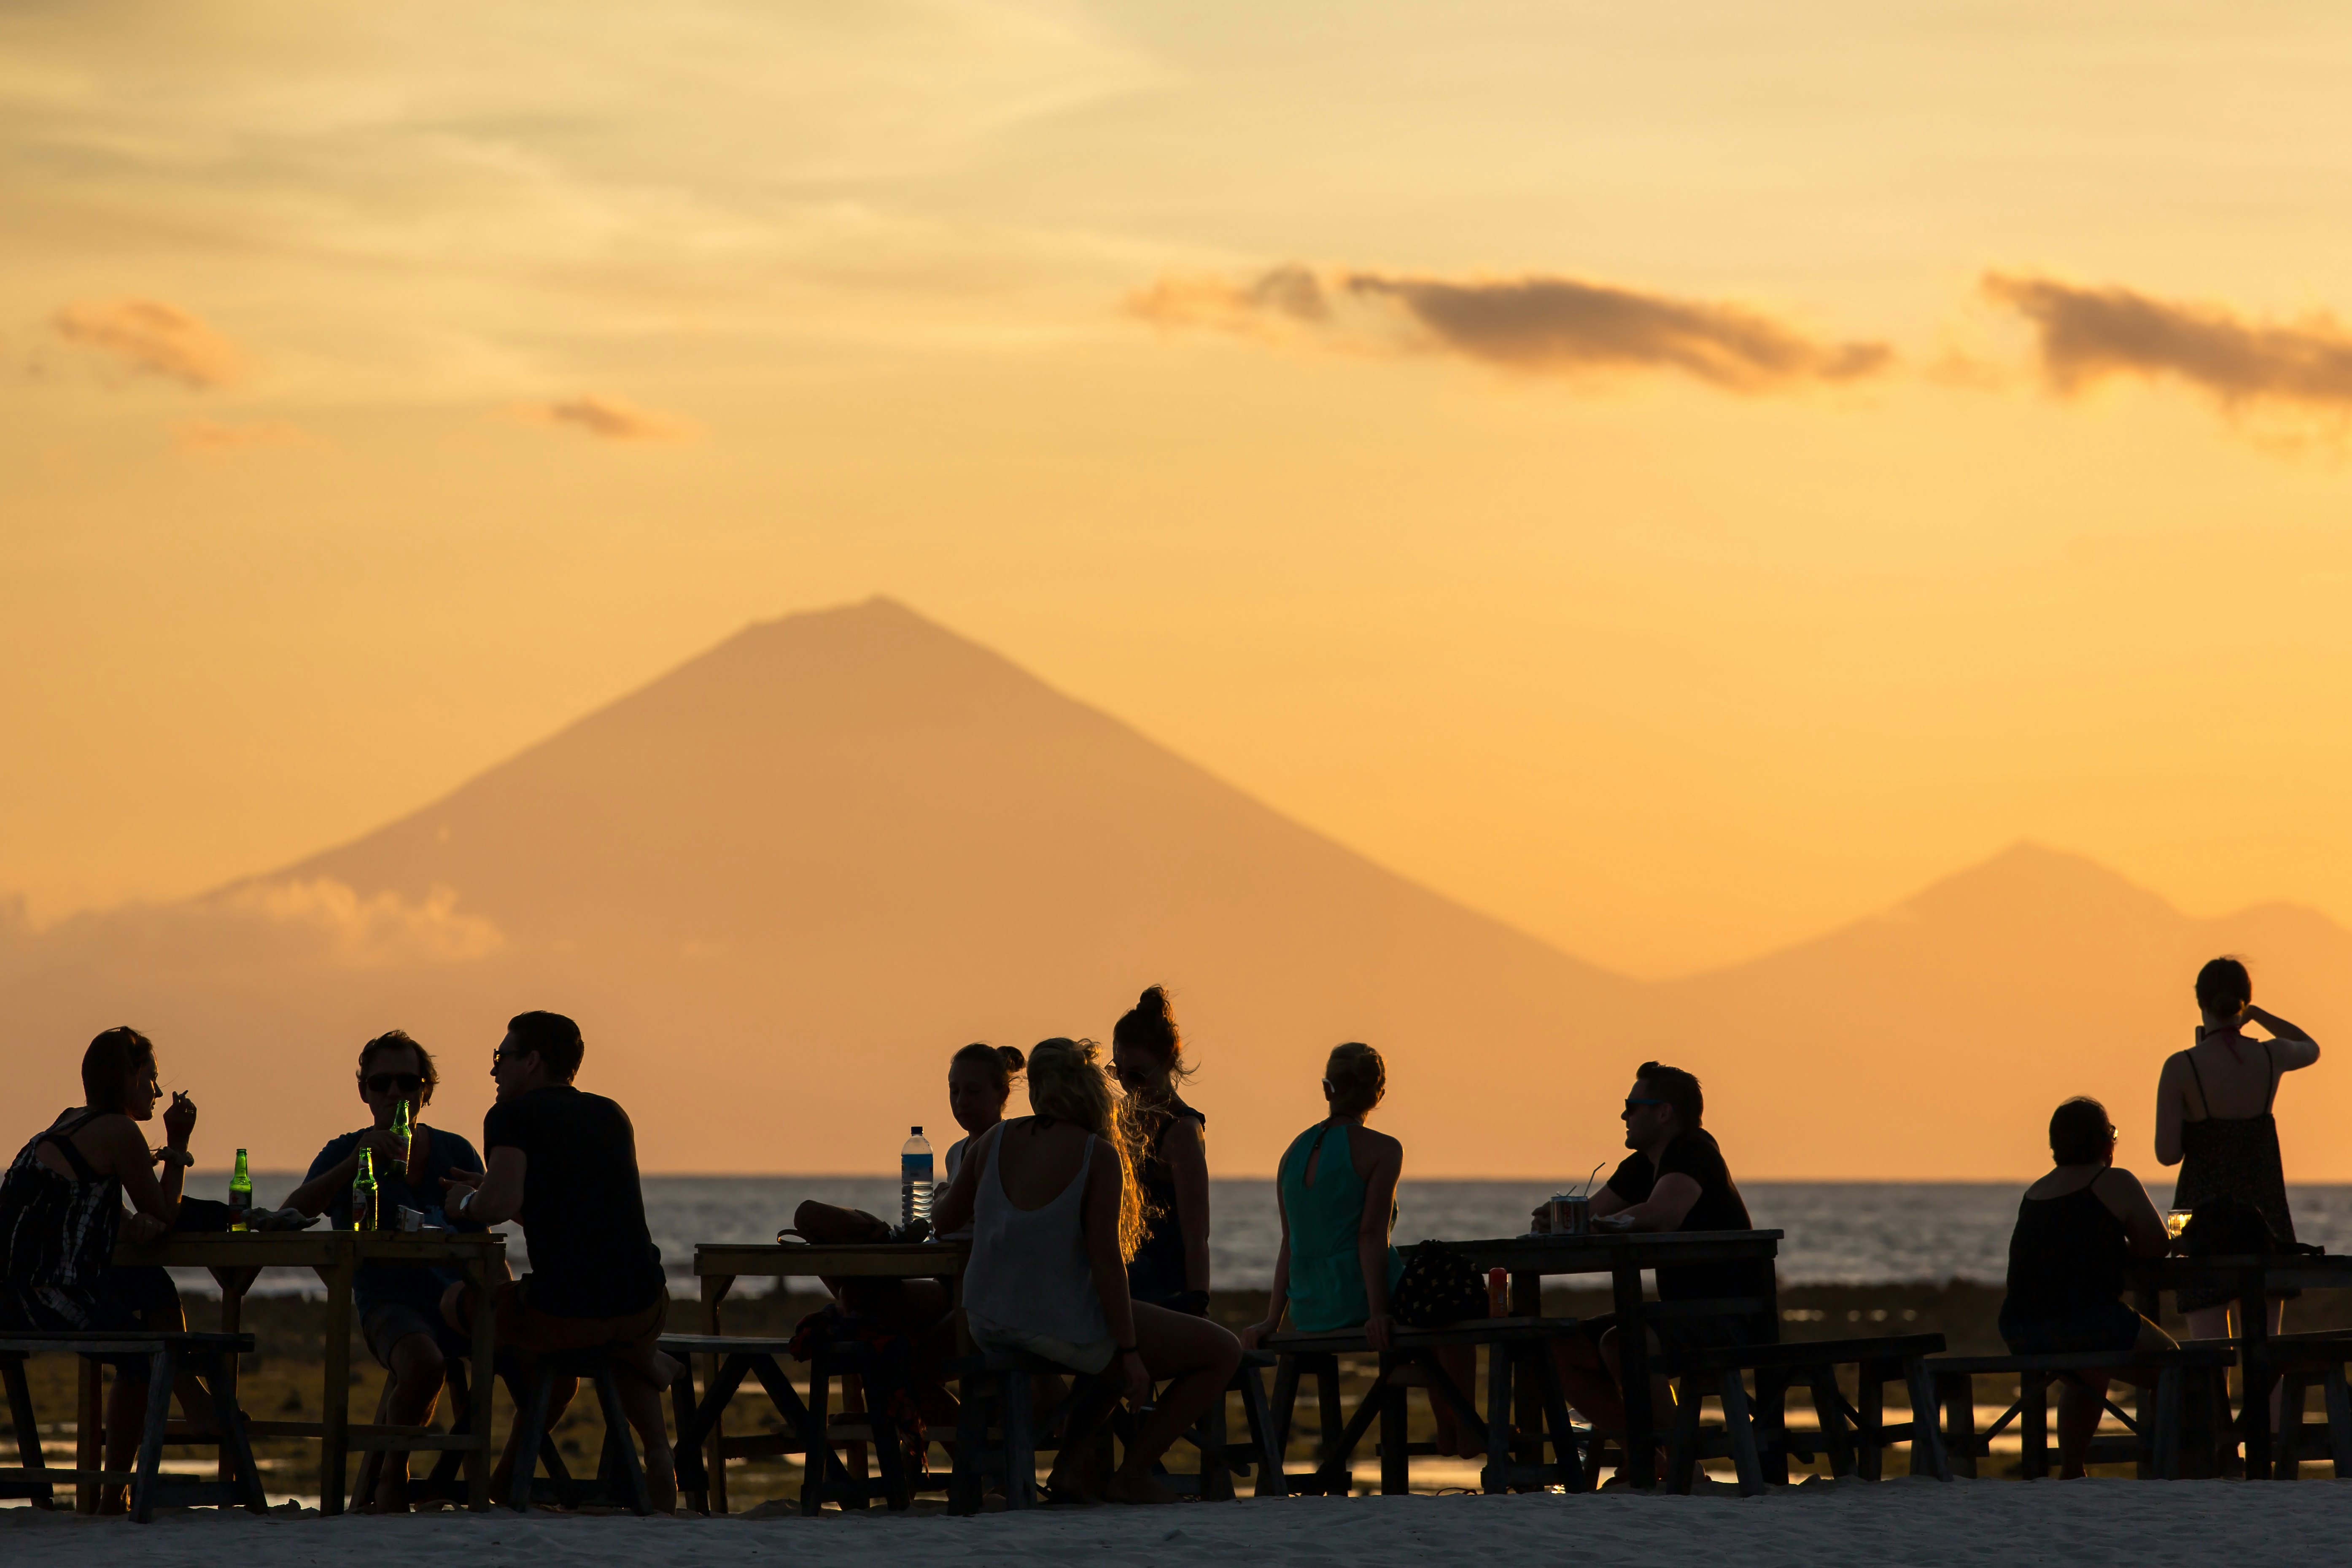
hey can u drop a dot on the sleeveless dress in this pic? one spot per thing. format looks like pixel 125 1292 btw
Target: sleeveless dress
pixel 1327 1276
pixel 1030 1285
pixel 2066 1260
pixel 56 1245
pixel 2235 1156
pixel 1157 1273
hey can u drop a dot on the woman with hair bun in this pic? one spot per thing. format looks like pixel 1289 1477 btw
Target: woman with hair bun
pixel 1147 1056
pixel 1336 1184
pixel 2213 1120
pixel 1055 1213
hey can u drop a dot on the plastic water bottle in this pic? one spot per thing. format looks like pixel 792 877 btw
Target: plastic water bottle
pixel 240 1195
pixel 915 1179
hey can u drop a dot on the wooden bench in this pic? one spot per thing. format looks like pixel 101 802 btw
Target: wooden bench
pixel 620 1473
pixel 810 1429
pixel 2303 1361
pixel 210 1358
pixel 1755 1432
pixel 998 1434
pixel 1220 1458
pixel 1525 1342
pixel 2156 1441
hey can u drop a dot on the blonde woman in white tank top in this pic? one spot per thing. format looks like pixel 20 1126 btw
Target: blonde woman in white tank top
pixel 1056 1213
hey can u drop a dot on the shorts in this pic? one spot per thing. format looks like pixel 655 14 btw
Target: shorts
pixel 1088 1356
pixel 2108 1326
pixel 519 1326
pixel 387 1323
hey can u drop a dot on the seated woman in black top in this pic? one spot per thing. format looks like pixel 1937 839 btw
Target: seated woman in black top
pixel 1146 1056
pixel 2075 1227
pixel 1676 1179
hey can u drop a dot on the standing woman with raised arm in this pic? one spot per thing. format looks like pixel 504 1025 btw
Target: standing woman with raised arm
pixel 2213 1120
pixel 61 1213
pixel 1147 1056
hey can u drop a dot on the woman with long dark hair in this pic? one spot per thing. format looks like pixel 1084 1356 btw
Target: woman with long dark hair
pixel 1171 1266
pixel 1056 1212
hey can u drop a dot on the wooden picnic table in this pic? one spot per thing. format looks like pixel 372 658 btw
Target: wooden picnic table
pixel 1623 1255
pixel 718 1265
pixel 2252 1277
pixel 236 1259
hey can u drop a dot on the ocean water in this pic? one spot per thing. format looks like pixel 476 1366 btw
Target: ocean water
pixel 1852 1233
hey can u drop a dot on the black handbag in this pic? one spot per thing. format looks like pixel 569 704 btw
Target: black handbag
pixel 1438 1287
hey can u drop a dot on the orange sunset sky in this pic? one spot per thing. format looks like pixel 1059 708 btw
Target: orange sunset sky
pixel 1674 478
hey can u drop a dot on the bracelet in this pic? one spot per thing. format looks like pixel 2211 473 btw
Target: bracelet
pixel 1129 1350
pixel 172 1156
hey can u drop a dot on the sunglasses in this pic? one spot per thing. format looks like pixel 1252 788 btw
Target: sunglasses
pixel 387 1083
pixel 1633 1100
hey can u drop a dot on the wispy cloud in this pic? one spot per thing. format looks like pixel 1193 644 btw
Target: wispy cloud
pixel 219 436
pixel 1545 324
pixel 151 337
pixel 609 419
pixel 2089 334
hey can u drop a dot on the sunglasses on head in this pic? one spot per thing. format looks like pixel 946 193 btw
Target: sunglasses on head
pixel 388 1082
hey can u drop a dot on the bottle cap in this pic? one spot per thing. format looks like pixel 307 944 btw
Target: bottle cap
pixel 916 1131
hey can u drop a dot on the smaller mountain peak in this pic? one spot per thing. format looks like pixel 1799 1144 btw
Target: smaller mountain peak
pixel 2035 876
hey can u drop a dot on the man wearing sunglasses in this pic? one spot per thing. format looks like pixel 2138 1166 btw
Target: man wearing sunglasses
pixel 399 1306
pixel 1675 1179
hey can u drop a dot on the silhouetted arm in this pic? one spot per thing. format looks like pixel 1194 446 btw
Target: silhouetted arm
pixel 1108 1265
pixel 1278 1301
pixel 2290 1046
pixel 952 1212
pixel 1372 1240
pixel 497 1191
pixel 2170 1090
pixel 1668 1204
pixel 1188 1164
pixel 2126 1199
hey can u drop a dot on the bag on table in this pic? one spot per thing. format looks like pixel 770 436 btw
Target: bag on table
pixel 830 1225
pixel 1438 1287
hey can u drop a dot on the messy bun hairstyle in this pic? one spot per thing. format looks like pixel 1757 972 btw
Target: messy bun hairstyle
pixel 1066 1084
pixel 2223 988
pixel 1358 1078
pixel 1003 1064
pixel 1151 1026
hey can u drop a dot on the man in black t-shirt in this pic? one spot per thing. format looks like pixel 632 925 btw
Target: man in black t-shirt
pixel 1676 1179
pixel 565 1163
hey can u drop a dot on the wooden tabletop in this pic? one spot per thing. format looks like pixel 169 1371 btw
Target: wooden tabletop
pixel 2280 1270
pixel 869 1259
pixel 1601 1252
pixel 320 1248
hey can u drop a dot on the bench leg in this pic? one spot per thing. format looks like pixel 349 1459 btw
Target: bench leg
pixel 2033 1424
pixel 1270 1481
pixel 532 1420
pixel 1956 1394
pixel 1737 1425
pixel 235 1446
pixel 1768 1410
pixel 967 1481
pixel 1829 1410
pixel 2286 1460
pixel 1396 1458
pixel 621 1441
pixel 2339 1420
pixel 1327 1407
pixel 1870 1403
pixel 1929 1456
pixel 161 1369
pixel 693 1487
pixel 27 1423
pixel 1575 1473
pixel 1498 1418
pixel 370 1472
pixel 2163 1444
pixel 1284 1409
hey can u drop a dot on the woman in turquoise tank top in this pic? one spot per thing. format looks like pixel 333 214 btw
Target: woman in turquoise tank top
pixel 1338 1185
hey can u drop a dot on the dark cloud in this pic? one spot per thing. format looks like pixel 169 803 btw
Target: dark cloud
pixel 2088 334
pixel 1541 324
pixel 610 419
pixel 151 336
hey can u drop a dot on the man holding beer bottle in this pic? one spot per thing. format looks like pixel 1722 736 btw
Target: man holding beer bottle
pixel 399 1305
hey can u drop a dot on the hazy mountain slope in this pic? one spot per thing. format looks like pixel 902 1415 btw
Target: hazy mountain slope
pixel 781 883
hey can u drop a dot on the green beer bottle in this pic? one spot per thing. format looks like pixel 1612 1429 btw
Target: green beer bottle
pixel 401 1134
pixel 240 1195
pixel 363 1193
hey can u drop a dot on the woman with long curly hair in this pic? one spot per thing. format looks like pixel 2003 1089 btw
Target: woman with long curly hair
pixel 1147 1056
pixel 1056 1212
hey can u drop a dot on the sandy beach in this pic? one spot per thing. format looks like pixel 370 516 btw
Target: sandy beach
pixel 1822 1525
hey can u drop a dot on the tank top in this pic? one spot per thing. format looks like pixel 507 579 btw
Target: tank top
pixel 1029 1270
pixel 56 1234
pixel 1157 1272
pixel 2066 1255
pixel 1327 1277
pixel 2236 1157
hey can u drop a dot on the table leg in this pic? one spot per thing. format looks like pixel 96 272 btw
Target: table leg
pixel 234 1283
pixel 485 1346
pixel 335 1404
pixel 1527 1301
pixel 90 1432
pixel 2254 1336
pixel 714 1291
pixel 1633 1369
